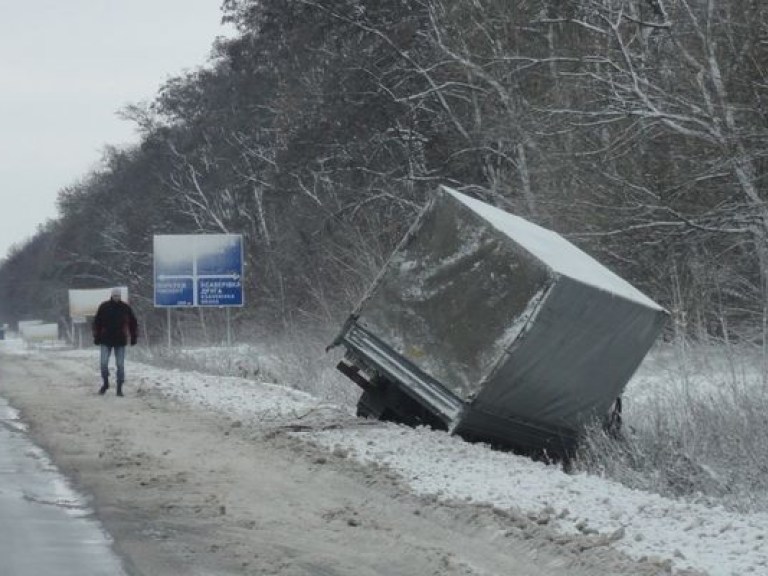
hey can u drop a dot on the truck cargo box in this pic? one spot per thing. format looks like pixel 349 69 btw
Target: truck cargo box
pixel 494 328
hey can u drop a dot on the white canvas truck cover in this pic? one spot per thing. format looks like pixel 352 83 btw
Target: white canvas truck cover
pixel 505 329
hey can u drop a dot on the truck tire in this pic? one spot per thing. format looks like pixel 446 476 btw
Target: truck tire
pixel 370 405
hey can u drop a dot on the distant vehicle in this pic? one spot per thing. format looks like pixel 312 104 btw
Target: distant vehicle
pixel 496 329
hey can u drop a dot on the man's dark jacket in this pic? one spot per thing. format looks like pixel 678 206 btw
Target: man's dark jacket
pixel 114 324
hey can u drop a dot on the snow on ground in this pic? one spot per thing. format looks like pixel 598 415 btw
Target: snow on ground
pixel 690 535
pixel 672 373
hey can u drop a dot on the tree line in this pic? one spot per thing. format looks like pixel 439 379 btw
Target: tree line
pixel 636 128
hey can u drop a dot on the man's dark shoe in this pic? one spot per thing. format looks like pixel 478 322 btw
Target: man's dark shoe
pixel 120 389
pixel 104 388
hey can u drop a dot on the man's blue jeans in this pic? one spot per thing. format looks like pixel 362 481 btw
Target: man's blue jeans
pixel 106 352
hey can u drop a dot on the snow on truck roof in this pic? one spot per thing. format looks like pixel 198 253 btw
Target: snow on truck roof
pixel 555 251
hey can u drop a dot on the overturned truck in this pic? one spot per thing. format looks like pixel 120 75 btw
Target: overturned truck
pixel 493 328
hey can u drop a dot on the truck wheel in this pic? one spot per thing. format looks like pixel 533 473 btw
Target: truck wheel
pixel 363 411
pixel 369 406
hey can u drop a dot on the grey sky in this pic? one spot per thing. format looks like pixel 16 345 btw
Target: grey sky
pixel 66 68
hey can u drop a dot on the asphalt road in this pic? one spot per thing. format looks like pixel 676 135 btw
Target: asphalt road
pixel 45 526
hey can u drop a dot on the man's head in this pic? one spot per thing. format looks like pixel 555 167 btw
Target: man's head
pixel 116 294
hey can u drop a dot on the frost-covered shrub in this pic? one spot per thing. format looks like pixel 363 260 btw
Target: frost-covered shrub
pixel 702 433
pixel 294 359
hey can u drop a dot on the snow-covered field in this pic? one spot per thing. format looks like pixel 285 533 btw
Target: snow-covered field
pixel 689 535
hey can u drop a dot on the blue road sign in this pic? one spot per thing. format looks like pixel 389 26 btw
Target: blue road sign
pixel 198 270
pixel 174 292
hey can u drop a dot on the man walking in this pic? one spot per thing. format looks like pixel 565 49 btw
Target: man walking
pixel 113 327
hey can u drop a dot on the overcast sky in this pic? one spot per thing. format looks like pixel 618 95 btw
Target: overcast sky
pixel 67 67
